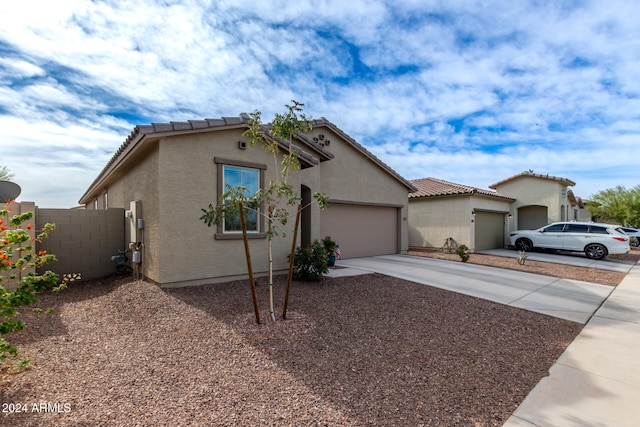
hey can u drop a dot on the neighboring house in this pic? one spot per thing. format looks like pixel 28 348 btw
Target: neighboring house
pixel 540 199
pixel 482 219
pixel 165 173
pixel 579 208
pixel 473 217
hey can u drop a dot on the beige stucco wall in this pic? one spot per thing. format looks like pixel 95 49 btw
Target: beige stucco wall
pixel 529 190
pixel 190 253
pixel 433 220
pixel 350 176
pixel 138 181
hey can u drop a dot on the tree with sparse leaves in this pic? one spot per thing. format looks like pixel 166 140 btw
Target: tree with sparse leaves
pixel 617 204
pixel 5 174
pixel 277 196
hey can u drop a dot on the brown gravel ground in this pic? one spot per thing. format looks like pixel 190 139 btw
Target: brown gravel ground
pixel 357 351
pixel 592 275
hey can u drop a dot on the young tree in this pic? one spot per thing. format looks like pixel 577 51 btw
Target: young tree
pixel 618 204
pixel 278 195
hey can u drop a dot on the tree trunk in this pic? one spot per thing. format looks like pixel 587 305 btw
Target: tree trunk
pixel 247 253
pixel 270 269
pixel 291 260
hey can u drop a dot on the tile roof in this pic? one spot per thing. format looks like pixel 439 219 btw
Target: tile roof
pixel 575 200
pixel 529 173
pixel 142 132
pixel 431 187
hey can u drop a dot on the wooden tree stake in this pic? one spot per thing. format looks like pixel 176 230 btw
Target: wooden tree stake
pixel 252 283
pixel 291 260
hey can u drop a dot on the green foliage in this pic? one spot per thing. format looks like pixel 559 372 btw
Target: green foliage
pixel 522 257
pixel 463 253
pixel 619 204
pixel 310 263
pixel 329 245
pixel 17 286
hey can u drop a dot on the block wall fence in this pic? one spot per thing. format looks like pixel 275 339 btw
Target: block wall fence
pixel 84 240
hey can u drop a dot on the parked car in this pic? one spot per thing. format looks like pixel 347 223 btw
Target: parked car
pixel 594 239
pixel 632 232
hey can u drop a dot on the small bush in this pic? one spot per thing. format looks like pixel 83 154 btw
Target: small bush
pixel 522 257
pixel 310 263
pixel 463 252
pixel 329 245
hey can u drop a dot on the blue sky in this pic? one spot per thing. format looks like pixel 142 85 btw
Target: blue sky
pixel 466 91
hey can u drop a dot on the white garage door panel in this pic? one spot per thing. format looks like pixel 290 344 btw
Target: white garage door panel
pixel 361 230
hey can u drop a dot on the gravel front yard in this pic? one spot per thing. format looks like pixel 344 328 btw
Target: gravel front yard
pixel 357 351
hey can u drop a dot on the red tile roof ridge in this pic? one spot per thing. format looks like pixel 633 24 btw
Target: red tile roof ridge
pixel 433 187
pixel 530 173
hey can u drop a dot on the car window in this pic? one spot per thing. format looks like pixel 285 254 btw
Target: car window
pixel 554 227
pixel 599 230
pixel 577 228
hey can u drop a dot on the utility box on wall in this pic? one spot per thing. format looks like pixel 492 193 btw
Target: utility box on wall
pixel 134 220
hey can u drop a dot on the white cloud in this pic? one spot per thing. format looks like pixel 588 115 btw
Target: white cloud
pixel 474 92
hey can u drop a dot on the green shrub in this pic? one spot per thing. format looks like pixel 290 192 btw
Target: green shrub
pixel 17 287
pixel 310 263
pixel 329 246
pixel 522 257
pixel 463 252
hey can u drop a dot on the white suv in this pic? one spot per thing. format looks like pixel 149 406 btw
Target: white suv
pixel 594 239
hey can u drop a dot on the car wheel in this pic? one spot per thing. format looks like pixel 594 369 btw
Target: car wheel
pixel 595 251
pixel 635 242
pixel 524 244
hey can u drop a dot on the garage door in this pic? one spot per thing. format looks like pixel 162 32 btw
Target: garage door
pixel 489 230
pixel 361 230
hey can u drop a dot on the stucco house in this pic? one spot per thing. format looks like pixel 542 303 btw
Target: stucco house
pixel 482 219
pixel 165 173
pixel 539 199
pixel 439 210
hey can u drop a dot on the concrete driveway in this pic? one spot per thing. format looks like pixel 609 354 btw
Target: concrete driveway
pixel 577 259
pixel 566 299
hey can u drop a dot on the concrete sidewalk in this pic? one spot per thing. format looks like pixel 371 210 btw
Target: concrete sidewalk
pixel 596 381
pixel 567 299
